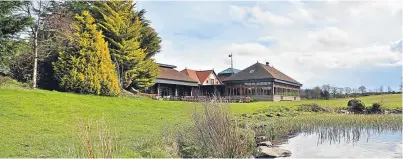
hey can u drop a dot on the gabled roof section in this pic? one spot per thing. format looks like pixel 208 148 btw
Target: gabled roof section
pixel 260 71
pixel 229 71
pixel 203 75
pixel 199 76
pixel 279 75
pixel 192 74
pixel 172 74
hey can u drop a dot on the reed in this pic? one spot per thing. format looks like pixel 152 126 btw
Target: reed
pixel 214 133
pixel 96 139
pixel 331 127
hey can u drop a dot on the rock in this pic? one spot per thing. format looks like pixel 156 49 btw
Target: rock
pixel 345 111
pixel 272 152
pixel 260 139
pixel 266 143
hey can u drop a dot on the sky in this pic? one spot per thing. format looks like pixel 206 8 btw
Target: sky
pixel 341 43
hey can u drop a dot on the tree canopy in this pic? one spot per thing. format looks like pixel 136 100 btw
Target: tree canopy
pixel 87 66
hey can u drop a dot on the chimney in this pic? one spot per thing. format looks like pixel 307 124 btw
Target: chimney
pixel 267 63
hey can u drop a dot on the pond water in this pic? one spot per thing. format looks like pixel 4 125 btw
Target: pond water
pixel 383 145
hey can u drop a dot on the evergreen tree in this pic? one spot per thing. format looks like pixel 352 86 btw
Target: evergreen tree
pixel 149 41
pixel 122 29
pixel 12 23
pixel 86 65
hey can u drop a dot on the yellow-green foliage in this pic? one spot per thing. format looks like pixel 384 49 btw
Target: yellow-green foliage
pixel 122 30
pixel 86 67
pixel 148 70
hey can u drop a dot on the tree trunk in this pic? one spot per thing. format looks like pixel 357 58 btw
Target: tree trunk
pixel 35 60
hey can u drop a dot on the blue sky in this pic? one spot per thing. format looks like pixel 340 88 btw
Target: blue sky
pixel 339 43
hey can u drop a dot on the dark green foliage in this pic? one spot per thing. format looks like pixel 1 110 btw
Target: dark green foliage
pixel 356 105
pixel 149 41
pixel 376 108
pixel 21 67
pixel 11 24
pixel 325 94
pixel 123 29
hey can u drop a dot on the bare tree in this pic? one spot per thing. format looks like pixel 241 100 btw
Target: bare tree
pixel 36 10
pixel 362 89
pixel 326 88
pixel 317 92
pixel 401 84
pixel 341 91
pixel 381 89
pixel 333 91
pixel 347 90
pixel 389 90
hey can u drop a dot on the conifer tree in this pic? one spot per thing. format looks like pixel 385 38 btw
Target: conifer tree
pixel 123 33
pixel 86 66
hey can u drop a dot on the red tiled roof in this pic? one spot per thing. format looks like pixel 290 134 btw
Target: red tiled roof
pixel 203 75
pixel 192 74
pixel 172 74
pixel 199 76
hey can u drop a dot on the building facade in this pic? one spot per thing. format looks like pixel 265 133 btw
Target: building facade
pixel 172 83
pixel 208 82
pixel 262 82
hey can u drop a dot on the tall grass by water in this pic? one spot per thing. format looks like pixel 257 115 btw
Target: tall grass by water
pixel 213 132
pixel 331 127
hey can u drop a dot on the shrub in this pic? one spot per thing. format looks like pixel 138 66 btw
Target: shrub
pixel 376 108
pixel 6 81
pixel 86 67
pixel 214 133
pixel 312 108
pixel 356 105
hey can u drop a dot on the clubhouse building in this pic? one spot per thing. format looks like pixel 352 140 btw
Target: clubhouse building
pixel 259 81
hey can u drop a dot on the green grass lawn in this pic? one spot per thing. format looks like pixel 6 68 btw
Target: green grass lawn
pixel 39 123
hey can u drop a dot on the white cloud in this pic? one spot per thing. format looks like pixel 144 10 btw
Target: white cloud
pixel 248 49
pixel 266 17
pixel 312 39
pixel 302 14
pixel 266 38
pixel 237 13
pixel 330 38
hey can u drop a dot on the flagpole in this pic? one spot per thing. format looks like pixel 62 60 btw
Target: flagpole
pixel 232 67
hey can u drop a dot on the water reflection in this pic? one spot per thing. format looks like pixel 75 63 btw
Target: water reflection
pixel 370 145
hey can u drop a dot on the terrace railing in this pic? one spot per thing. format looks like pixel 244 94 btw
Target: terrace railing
pixel 223 99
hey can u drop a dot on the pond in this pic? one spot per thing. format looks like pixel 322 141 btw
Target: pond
pixel 370 145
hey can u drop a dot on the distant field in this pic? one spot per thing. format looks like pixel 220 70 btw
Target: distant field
pixel 39 123
pixel 393 101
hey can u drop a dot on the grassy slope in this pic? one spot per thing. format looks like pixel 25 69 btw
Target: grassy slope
pixel 37 123
pixel 42 123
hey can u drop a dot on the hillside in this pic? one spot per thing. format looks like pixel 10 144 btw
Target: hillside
pixel 39 123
